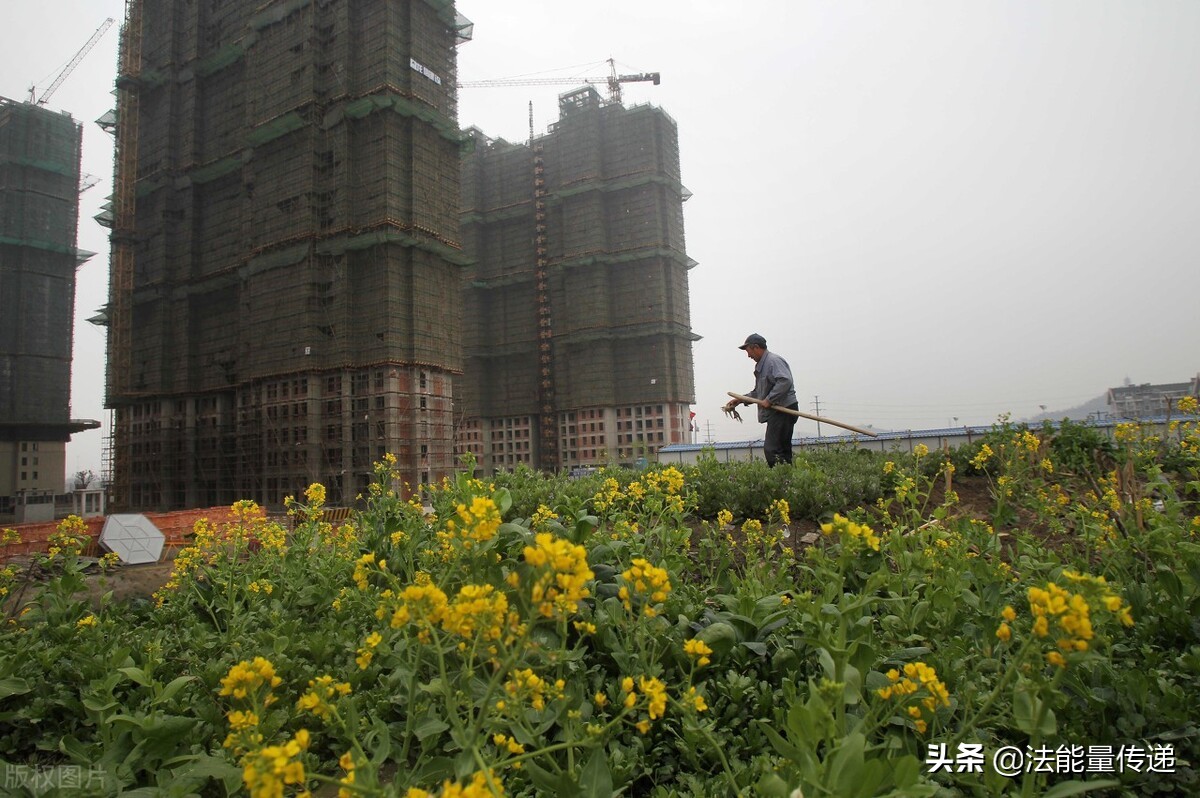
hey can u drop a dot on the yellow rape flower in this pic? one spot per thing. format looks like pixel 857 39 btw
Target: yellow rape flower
pixel 698 650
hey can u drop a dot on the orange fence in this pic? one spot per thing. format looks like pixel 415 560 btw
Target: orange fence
pixel 176 526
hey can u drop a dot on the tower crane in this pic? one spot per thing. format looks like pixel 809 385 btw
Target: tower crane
pixel 69 68
pixel 612 80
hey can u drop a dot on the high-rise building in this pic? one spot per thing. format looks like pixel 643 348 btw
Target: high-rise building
pixel 576 326
pixel 39 214
pixel 285 299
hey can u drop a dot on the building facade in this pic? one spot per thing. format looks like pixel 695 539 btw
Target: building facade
pixel 577 324
pixel 285 301
pixel 39 214
pixel 1149 401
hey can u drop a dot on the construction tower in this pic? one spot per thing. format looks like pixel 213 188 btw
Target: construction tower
pixel 577 324
pixel 285 303
pixel 39 213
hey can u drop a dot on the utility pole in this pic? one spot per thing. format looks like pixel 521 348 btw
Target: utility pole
pixel 817 412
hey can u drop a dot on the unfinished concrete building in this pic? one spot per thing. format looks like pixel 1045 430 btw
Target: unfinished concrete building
pixel 285 294
pixel 576 325
pixel 39 213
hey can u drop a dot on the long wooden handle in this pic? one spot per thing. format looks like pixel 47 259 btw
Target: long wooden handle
pixel 789 411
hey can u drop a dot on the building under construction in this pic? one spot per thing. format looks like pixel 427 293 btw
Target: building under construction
pixel 39 213
pixel 577 325
pixel 285 298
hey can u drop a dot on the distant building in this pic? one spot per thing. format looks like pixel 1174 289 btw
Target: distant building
pixel 1149 401
pixel 285 294
pixel 39 212
pixel 577 328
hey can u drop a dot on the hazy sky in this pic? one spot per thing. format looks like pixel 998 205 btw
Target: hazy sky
pixel 936 211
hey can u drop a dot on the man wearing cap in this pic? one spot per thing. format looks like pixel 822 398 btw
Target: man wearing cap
pixel 772 388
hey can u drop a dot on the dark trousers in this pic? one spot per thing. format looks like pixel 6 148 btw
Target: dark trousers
pixel 777 446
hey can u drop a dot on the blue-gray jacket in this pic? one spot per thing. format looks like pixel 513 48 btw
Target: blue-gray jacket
pixel 773 382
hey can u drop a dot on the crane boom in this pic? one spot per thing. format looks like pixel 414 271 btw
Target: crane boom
pixel 613 81
pixel 69 68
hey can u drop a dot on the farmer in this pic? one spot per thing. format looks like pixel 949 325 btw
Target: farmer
pixel 772 388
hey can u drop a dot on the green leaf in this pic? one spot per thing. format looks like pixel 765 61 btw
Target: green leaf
pixel 171 689
pixel 905 770
pixel 561 785
pixel 1078 787
pixel 782 746
pixel 429 726
pixel 503 499
pixel 596 778
pixel 136 674
pixel 771 786
pixel 852 692
pixel 846 765
pixel 13 686
pixel 1026 707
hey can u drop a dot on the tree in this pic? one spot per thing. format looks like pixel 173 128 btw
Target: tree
pixel 81 479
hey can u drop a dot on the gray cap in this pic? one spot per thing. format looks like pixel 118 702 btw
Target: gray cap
pixel 754 339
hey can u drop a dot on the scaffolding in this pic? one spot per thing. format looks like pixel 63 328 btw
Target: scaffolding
pixel 601 235
pixel 294 286
pixel 39 209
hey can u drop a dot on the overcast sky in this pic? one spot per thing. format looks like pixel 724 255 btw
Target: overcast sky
pixel 937 212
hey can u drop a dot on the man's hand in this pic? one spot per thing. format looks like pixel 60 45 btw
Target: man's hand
pixel 730 405
pixel 764 403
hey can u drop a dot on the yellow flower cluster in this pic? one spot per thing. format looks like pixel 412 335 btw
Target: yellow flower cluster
pixel 920 450
pixel 362 571
pixel 8 575
pixel 346 784
pixel 1028 441
pixel 508 744
pixel 423 603
pixel 848 530
pixel 917 678
pixel 250 682
pixel 662 489
pixel 267 771
pixel 646 582
pixel 1126 432
pixel 481 785
pixel 245 678
pixel 985 454
pixel 698 650
pixel 321 694
pixel 724 518
pixel 481 519
pixel 607 495
pixel 475 524
pixel 782 510
pixel 366 652
pixel 68 539
pixel 1099 586
pixel 9 537
pixel 1067 615
pixel 86 622
pixel 668 481
pixel 562 575
pixel 655 693
pixel 541 516
pixel 525 685
pixel 477 610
